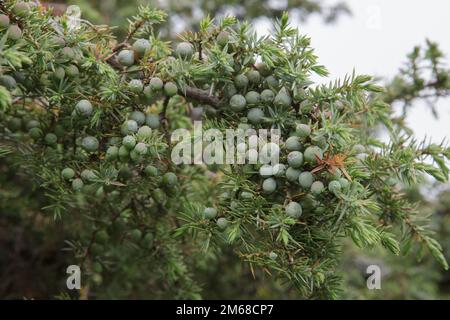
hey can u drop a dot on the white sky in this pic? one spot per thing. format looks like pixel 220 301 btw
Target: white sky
pixel 375 41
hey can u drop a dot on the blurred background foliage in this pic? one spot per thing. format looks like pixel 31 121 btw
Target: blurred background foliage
pixel 32 261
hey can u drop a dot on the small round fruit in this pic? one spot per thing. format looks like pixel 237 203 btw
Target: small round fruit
pixel 170 89
pixel 51 139
pixel 138 116
pixel 237 103
pixel 67 173
pixel 210 213
pixel 305 107
pixel 8 82
pixel 230 90
pixel 156 84
pixel 129 142
pixel 344 183
pixel 273 256
pixel 312 153
pixel 151 171
pixel 302 130
pixel 283 99
pixel 317 187
pixel 334 186
pixel 271 82
pixel 185 50
pixel 246 195
pixel 294 210
pixel 135 235
pixel 126 58
pixel 240 81
pixel 21 9
pixel 88 175
pixel 77 184
pixel 67 53
pixel 72 71
pixel 136 86
pixel 14 32
pixel 295 159
pixel 152 120
pixel 292 174
pixel 293 144
pixel 306 179
pixel 252 97
pixel 254 77
pixel 144 133
pixel 123 152
pixel 269 185
pixel 130 126
pixel 267 96
pixel 35 133
pixel 141 148
pixel 170 179
pixel 141 46
pixel 4 21
pixel 112 153
pixel 222 223
pixel 90 144
pixel 222 38
pixel 269 153
pixel 279 170
pixel 84 108
pixel 266 171
pixel 255 115
pixel 263 69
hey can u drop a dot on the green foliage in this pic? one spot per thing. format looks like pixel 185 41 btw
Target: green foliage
pixel 96 145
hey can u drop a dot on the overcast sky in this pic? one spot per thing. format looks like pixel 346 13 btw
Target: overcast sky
pixel 376 39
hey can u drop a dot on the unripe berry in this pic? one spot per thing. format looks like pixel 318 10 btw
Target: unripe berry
pixel 210 213
pixel 112 153
pixel 306 179
pixel 138 116
pixel 240 81
pixel 252 97
pixel 273 256
pixel 144 133
pixel 130 126
pixel 126 58
pixel 246 195
pixel 302 130
pixel 230 90
pixel 295 159
pixel 77 184
pixel 88 175
pixel 222 223
pixel 21 9
pixel 141 46
pixel 271 82
pixel 151 171
pixel 14 32
pixel 269 152
pixel 152 120
pixel 184 50
pixel 312 153
pixel 129 142
pixel 267 96
pixel 51 139
pixel 170 89
pixel 135 235
pixel 169 179
pixel 4 21
pixel 8 82
pixel 159 195
pixel 269 185
pixel 254 77
pixel 136 86
pixel 67 173
pixel 317 187
pixel 279 170
pixel 294 210
pixel 72 71
pixel 266 171
pixel 263 69
pixel 35 133
pixel 67 53
pixel 293 144
pixel 156 84
pixel 141 148
pixel 90 144
pixel 237 103
pixel 84 108
pixel 334 186
pixel 344 183
pixel 255 115
pixel 123 153
pixel 283 99
pixel 292 174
